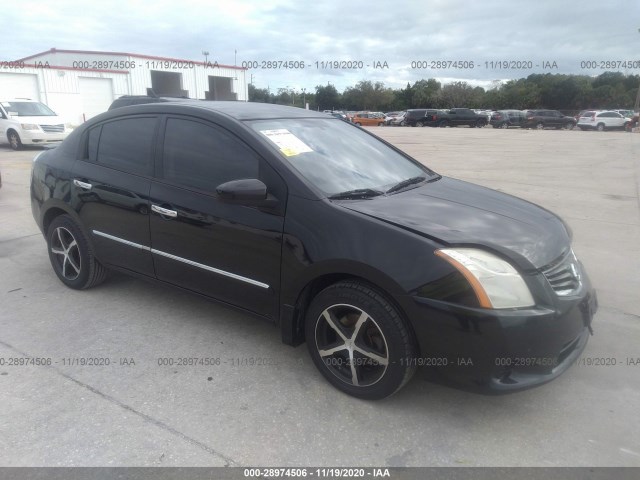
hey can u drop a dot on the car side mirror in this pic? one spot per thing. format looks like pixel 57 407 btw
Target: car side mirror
pixel 248 191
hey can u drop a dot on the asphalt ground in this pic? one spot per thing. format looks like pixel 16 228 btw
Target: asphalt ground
pixel 265 404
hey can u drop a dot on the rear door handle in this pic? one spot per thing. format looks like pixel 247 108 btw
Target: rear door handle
pixel 165 212
pixel 81 184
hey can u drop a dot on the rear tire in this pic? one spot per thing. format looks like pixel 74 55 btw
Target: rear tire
pixel 419 124
pixel 600 127
pixel 539 126
pixel 71 255
pixel 359 341
pixel 443 124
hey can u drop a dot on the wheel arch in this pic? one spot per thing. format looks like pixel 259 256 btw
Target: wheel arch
pixel 293 314
pixel 57 208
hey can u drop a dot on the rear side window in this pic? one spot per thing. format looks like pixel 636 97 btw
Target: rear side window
pixel 126 144
pixel 201 156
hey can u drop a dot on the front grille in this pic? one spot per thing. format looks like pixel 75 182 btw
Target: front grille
pixel 52 128
pixel 564 274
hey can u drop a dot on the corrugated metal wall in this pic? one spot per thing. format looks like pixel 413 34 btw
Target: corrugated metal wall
pixel 59 88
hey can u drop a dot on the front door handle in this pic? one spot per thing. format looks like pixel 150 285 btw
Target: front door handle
pixel 81 184
pixel 165 212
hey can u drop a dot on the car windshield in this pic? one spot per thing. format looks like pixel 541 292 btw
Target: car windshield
pixel 28 109
pixel 337 157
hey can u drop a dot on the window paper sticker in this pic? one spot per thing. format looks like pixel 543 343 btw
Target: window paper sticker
pixel 286 141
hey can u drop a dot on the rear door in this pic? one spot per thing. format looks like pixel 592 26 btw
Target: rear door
pixel 613 119
pixel 111 190
pixel 200 242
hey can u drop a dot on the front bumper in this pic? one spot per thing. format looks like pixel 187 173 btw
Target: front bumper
pixel 37 137
pixel 500 351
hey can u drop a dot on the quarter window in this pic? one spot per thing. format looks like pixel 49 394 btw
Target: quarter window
pixel 202 157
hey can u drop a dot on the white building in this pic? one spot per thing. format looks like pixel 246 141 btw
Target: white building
pixel 79 84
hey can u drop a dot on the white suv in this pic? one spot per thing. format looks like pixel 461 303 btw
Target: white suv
pixel 602 120
pixel 27 122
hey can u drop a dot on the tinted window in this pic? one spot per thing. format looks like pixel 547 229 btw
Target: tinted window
pixel 92 143
pixel 201 156
pixel 126 144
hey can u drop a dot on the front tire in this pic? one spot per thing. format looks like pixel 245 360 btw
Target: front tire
pixel 14 140
pixel 359 341
pixel 71 255
pixel 539 126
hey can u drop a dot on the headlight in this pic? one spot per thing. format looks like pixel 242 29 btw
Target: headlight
pixel 495 282
pixel 29 126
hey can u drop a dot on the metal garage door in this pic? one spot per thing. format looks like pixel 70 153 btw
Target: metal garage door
pixel 19 85
pixel 96 94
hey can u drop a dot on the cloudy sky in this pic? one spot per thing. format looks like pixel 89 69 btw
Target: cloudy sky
pixel 372 32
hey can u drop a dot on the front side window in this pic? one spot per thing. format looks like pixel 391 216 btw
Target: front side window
pixel 336 157
pixel 126 144
pixel 201 156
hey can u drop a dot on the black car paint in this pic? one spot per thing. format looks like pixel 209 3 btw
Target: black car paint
pixel 306 242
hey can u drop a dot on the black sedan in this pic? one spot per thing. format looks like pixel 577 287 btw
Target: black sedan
pixel 341 240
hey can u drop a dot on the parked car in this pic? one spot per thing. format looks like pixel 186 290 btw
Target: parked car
pixel 602 120
pixel 367 119
pixel 332 234
pixel 27 122
pixel 432 118
pixel 398 121
pixel 339 115
pixel 413 116
pixel 624 112
pixel 579 114
pixel 390 116
pixel 507 118
pixel 456 117
pixel 542 119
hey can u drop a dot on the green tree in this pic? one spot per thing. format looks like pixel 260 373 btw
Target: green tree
pixel 425 93
pixel 260 95
pixel 327 97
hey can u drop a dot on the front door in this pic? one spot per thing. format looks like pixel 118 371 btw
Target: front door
pixel 227 251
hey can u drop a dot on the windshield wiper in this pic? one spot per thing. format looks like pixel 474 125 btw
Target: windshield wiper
pixel 358 193
pixel 405 183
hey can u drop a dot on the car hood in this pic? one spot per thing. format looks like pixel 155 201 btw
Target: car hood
pixel 454 212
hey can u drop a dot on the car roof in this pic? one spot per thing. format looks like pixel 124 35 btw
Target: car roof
pixel 242 110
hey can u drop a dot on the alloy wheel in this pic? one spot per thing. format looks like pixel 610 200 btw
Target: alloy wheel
pixel 67 253
pixel 351 345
